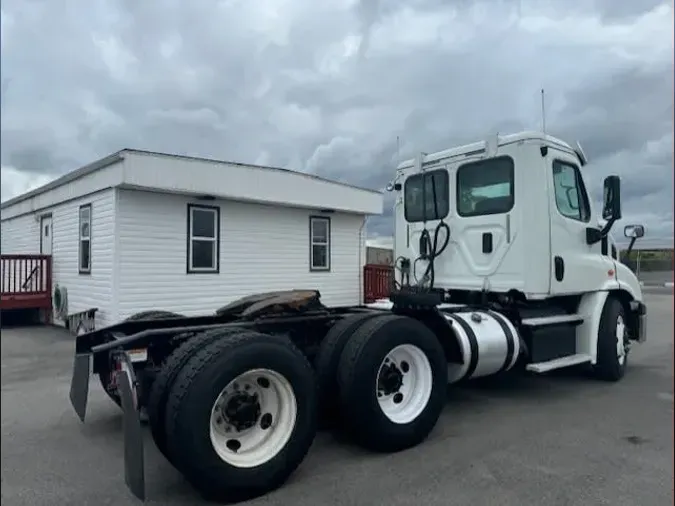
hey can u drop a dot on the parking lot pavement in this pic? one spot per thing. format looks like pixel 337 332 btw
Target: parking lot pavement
pixel 655 290
pixel 557 440
pixel 656 278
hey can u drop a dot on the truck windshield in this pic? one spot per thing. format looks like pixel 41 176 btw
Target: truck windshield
pixel 426 196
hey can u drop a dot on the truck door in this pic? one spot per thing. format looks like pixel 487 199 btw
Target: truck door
pixel 484 229
pixel 479 210
pixel 576 266
pixel 426 201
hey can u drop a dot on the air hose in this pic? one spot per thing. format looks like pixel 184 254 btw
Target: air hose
pixel 429 251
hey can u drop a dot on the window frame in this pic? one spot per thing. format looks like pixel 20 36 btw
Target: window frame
pixel 190 238
pixel 42 220
pixel 445 189
pixel 327 243
pixel 80 238
pixel 582 193
pixel 471 166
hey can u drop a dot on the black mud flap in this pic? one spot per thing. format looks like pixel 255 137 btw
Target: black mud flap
pixel 79 384
pixel 134 473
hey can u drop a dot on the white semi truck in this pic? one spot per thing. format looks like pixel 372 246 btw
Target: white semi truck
pixel 502 263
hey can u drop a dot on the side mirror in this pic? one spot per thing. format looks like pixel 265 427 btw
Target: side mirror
pixel 634 231
pixel 611 206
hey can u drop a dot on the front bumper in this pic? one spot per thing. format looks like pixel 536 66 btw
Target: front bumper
pixel 639 317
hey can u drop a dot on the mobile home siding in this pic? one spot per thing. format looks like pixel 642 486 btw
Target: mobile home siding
pixel 22 235
pixel 262 248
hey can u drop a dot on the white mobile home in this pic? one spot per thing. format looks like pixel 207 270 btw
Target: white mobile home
pixel 141 231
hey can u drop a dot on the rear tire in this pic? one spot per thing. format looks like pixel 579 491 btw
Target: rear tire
pixel 613 343
pixel 327 363
pixel 105 376
pixel 161 386
pixel 394 411
pixel 242 473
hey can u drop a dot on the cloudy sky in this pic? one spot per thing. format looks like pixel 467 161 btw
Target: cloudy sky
pixel 327 86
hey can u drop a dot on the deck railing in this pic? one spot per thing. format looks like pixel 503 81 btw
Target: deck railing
pixel 25 281
pixel 377 281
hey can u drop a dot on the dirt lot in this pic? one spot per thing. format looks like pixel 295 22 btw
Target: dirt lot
pixel 557 440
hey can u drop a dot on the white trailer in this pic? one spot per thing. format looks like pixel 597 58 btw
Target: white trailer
pixel 502 265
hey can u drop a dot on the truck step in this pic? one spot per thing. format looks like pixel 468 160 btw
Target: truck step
pixel 543 321
pixel 559 363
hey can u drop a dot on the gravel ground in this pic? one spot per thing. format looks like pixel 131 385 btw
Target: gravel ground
pixel 542 440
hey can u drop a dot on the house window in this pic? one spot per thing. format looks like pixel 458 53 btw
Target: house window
pixel 203 239
pixel 485 187
pixel 319 243
pixel 570 194
pixel 85 240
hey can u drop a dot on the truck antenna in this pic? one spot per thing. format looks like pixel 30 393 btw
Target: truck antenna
pixel 398 150
pixel 543 111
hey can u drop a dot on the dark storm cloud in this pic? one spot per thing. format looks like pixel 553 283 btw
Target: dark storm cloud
pixel 624 112
pixel 328 86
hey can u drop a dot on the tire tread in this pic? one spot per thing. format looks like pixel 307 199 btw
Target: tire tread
pixel 161 386
pixel 178 422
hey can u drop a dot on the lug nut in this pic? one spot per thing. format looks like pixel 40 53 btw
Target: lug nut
pixel 233 445
pixel 266 421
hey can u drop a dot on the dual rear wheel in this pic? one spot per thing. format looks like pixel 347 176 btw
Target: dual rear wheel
pixel 383 379
pixel 236 411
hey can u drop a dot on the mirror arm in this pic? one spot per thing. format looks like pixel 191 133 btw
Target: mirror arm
pixel 630 246
pixel 608 226
pixel 595 235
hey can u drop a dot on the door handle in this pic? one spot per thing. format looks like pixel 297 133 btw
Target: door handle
pixel 487 242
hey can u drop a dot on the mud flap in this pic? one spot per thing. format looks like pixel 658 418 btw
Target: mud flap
pixel 134 473
pixel 79 384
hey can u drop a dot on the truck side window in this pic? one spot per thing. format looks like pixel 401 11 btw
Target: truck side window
pixel 430 190
pixel 570 194
pixel 485 187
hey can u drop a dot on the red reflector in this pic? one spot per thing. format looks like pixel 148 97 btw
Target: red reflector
pixel 610 273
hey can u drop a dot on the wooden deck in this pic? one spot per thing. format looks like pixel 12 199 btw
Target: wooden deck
pixel 25 282
pixel 377 281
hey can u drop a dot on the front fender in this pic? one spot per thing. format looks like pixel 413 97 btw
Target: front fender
pixel 590 309
pixel 616 285
pixel 627 280
pixel 626 286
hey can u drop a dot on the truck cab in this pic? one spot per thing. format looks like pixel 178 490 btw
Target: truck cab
pixel 519 216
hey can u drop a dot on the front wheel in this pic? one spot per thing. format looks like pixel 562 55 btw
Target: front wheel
pixel 241 415
pixel 613 342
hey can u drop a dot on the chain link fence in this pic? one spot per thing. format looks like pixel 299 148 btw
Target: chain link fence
pixel 651 267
